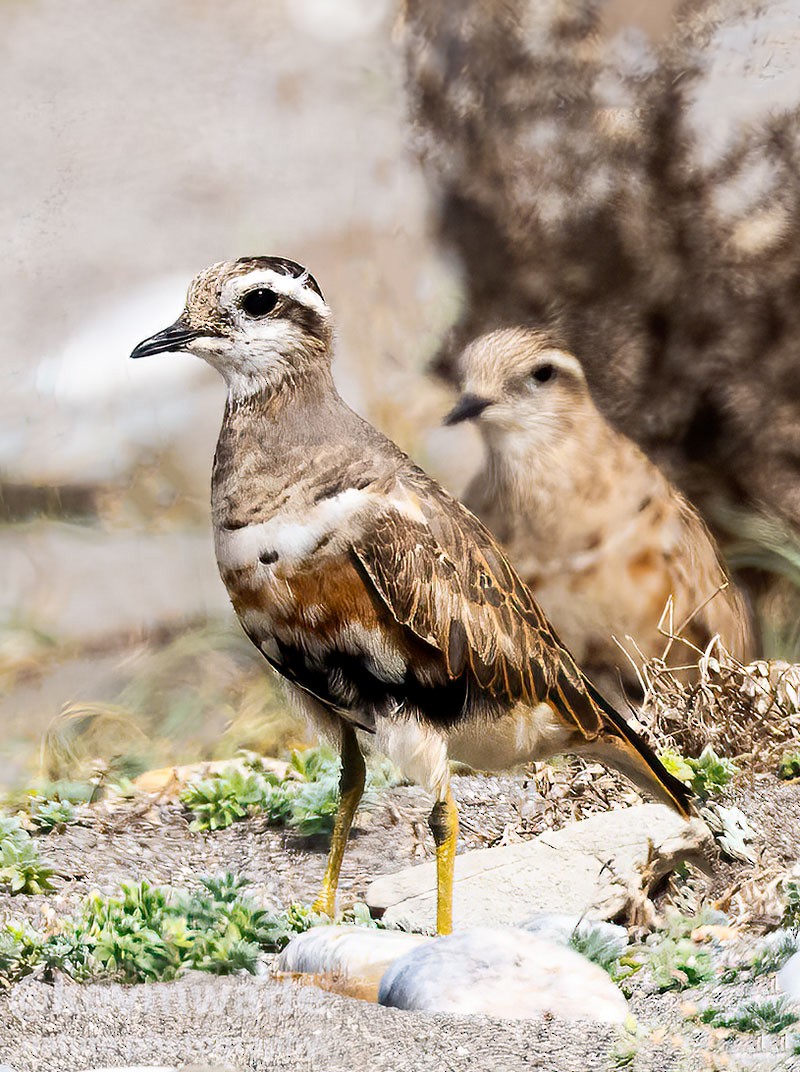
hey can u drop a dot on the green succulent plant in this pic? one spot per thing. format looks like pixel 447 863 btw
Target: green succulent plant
pixel 707 774
pixel 49 815
pixel 768 1017
pixel 150 933
pixel 22 870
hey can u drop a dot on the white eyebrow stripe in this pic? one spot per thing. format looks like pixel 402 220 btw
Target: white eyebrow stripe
pixel 290 286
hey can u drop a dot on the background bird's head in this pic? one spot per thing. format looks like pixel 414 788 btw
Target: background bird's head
pixel 517 382
pixel 260 321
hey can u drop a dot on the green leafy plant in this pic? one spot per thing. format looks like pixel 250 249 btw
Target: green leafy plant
pixel 625 1050
pixel 306 799
pixel 678 963
pixel 224 798
pixel 773 953
pixel 789 766
pixel 296 919
pixel 599 944
pixel 359 915
pixel 312 807
pixel 314 764
pixel 19 951
pixel 148 933
pixel 21 868
pixel 49 815
pixel 707 775
pixel 767 1017
pixel 674 960
pixel 791 913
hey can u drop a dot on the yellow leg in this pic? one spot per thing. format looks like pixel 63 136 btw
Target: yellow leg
pixel 351 789
pixel 443 822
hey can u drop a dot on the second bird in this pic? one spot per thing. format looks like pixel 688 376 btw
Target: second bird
pixel 593 526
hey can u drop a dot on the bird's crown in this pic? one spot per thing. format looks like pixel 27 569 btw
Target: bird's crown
pixel 251 288
pixel 503 357
pixel 516 373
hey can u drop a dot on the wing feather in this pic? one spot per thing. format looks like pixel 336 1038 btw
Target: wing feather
pixel 441 574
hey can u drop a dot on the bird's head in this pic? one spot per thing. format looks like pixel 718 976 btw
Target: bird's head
pixel 260 321
pixel 518 381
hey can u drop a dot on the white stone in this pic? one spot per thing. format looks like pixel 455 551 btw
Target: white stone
pixel 789 977
pixel 347 958
pixel 586 869
pixel 505 973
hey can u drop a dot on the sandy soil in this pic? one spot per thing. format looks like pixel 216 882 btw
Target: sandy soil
pixel 247 1023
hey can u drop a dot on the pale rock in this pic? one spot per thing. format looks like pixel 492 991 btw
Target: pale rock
pixel 505 973
pixel 789 977
pixel 589 868
pixel 351 960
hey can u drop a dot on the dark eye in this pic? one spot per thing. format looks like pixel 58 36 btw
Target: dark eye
pixel 259 302
pixel 544 373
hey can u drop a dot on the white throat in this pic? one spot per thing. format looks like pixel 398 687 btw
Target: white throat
pixel 264 361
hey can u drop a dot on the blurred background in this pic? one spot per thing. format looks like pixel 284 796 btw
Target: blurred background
pixel 143 142
pixel 430 163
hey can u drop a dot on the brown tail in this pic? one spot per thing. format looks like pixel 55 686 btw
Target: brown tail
pixel 636 759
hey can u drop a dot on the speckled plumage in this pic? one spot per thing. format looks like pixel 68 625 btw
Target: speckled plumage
pixel 381 600
pixel 596 530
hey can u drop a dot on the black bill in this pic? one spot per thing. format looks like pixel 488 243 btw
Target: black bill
pixel 175 337
pixel 467 408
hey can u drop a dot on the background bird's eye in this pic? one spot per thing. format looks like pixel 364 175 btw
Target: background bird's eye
pixel 259 302
pixel 544 373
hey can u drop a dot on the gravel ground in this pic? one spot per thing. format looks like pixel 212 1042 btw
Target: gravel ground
pixel 258 1024
pixel 261 1023
pixel 390 833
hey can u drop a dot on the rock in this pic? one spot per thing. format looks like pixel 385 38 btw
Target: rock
pixel 135 1068
pixel 590 868
pixel 348 959
pixel 505 973
pixel 789 977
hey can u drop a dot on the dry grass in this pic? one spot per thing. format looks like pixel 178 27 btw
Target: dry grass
pixel 201 694
pixel 750 713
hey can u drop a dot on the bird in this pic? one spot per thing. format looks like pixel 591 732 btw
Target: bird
pixel 596 530
pixel 638 190
pixel 382 602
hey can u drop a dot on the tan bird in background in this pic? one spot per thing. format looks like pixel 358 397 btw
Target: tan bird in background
pixel 596 530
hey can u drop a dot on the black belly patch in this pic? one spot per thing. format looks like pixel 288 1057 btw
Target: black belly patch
pixel 347 682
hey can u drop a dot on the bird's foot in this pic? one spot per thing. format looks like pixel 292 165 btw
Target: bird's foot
pixel 325 902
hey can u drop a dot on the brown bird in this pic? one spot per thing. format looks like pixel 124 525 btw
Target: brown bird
pixel 595 529
pixel 382 601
